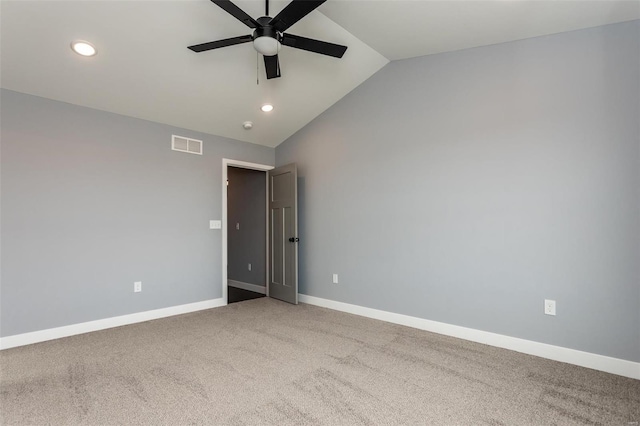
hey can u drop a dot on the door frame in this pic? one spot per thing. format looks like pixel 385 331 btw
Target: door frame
pixel 226 162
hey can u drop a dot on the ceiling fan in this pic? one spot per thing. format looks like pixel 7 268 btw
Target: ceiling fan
pixel 268 35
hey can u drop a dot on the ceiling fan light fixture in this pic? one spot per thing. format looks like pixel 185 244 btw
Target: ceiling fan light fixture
pixel 267 108
pixel 83 48
pixel 267 46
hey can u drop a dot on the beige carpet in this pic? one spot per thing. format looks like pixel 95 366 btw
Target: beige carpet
pixel 264 362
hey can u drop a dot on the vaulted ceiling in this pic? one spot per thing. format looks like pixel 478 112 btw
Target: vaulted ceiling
pixel 143 67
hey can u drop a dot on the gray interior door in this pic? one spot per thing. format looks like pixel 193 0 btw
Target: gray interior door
pixel 283 233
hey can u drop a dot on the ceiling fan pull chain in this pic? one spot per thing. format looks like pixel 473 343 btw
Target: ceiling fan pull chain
pixel 257 69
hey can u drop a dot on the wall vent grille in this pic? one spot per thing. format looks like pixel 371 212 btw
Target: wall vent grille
pixel 182 144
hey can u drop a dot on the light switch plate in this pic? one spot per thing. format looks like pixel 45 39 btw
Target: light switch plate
pixel 215 224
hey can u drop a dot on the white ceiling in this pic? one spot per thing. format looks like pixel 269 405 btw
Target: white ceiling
pixel 143 67
pixel 405 29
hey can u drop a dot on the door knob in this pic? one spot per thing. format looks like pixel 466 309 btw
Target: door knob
pixel 294 239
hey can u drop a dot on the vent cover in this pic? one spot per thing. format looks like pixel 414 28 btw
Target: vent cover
pixel 182 144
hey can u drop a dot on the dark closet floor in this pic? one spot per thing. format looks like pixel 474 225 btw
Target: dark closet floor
pixel 238 295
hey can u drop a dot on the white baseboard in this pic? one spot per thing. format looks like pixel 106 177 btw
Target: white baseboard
pixel 87 327
pixel 557 353
pixel 617 366
pixel 246 286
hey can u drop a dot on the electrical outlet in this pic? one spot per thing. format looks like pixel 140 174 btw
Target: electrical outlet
pixel 137 286
pixel 335 278
pixel 249 266
pixel 549 307
pixel 238 226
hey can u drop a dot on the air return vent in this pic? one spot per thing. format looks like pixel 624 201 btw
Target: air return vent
pixel 182 144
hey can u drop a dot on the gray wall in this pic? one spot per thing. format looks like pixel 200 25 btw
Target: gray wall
pixel 467 187
pixel 93 201
pixel 246 205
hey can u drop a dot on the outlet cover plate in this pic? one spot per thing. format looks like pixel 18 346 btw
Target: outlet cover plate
pixel 549 307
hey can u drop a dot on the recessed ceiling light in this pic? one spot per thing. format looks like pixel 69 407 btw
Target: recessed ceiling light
pixel 83 48
pixel 267 107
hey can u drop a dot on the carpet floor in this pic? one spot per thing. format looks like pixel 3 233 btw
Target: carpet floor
pixel 264 362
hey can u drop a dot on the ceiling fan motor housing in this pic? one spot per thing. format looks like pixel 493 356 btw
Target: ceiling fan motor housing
pixel 266 39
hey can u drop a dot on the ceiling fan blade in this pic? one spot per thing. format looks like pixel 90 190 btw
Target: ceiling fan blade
pixel 237 13
pixel 220 43
pixel 293 12
pixel 316 46
pixel 272 66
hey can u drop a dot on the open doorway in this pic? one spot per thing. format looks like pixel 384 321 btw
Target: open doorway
pixel 246 234
pixel 281 219
pixel 244 231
